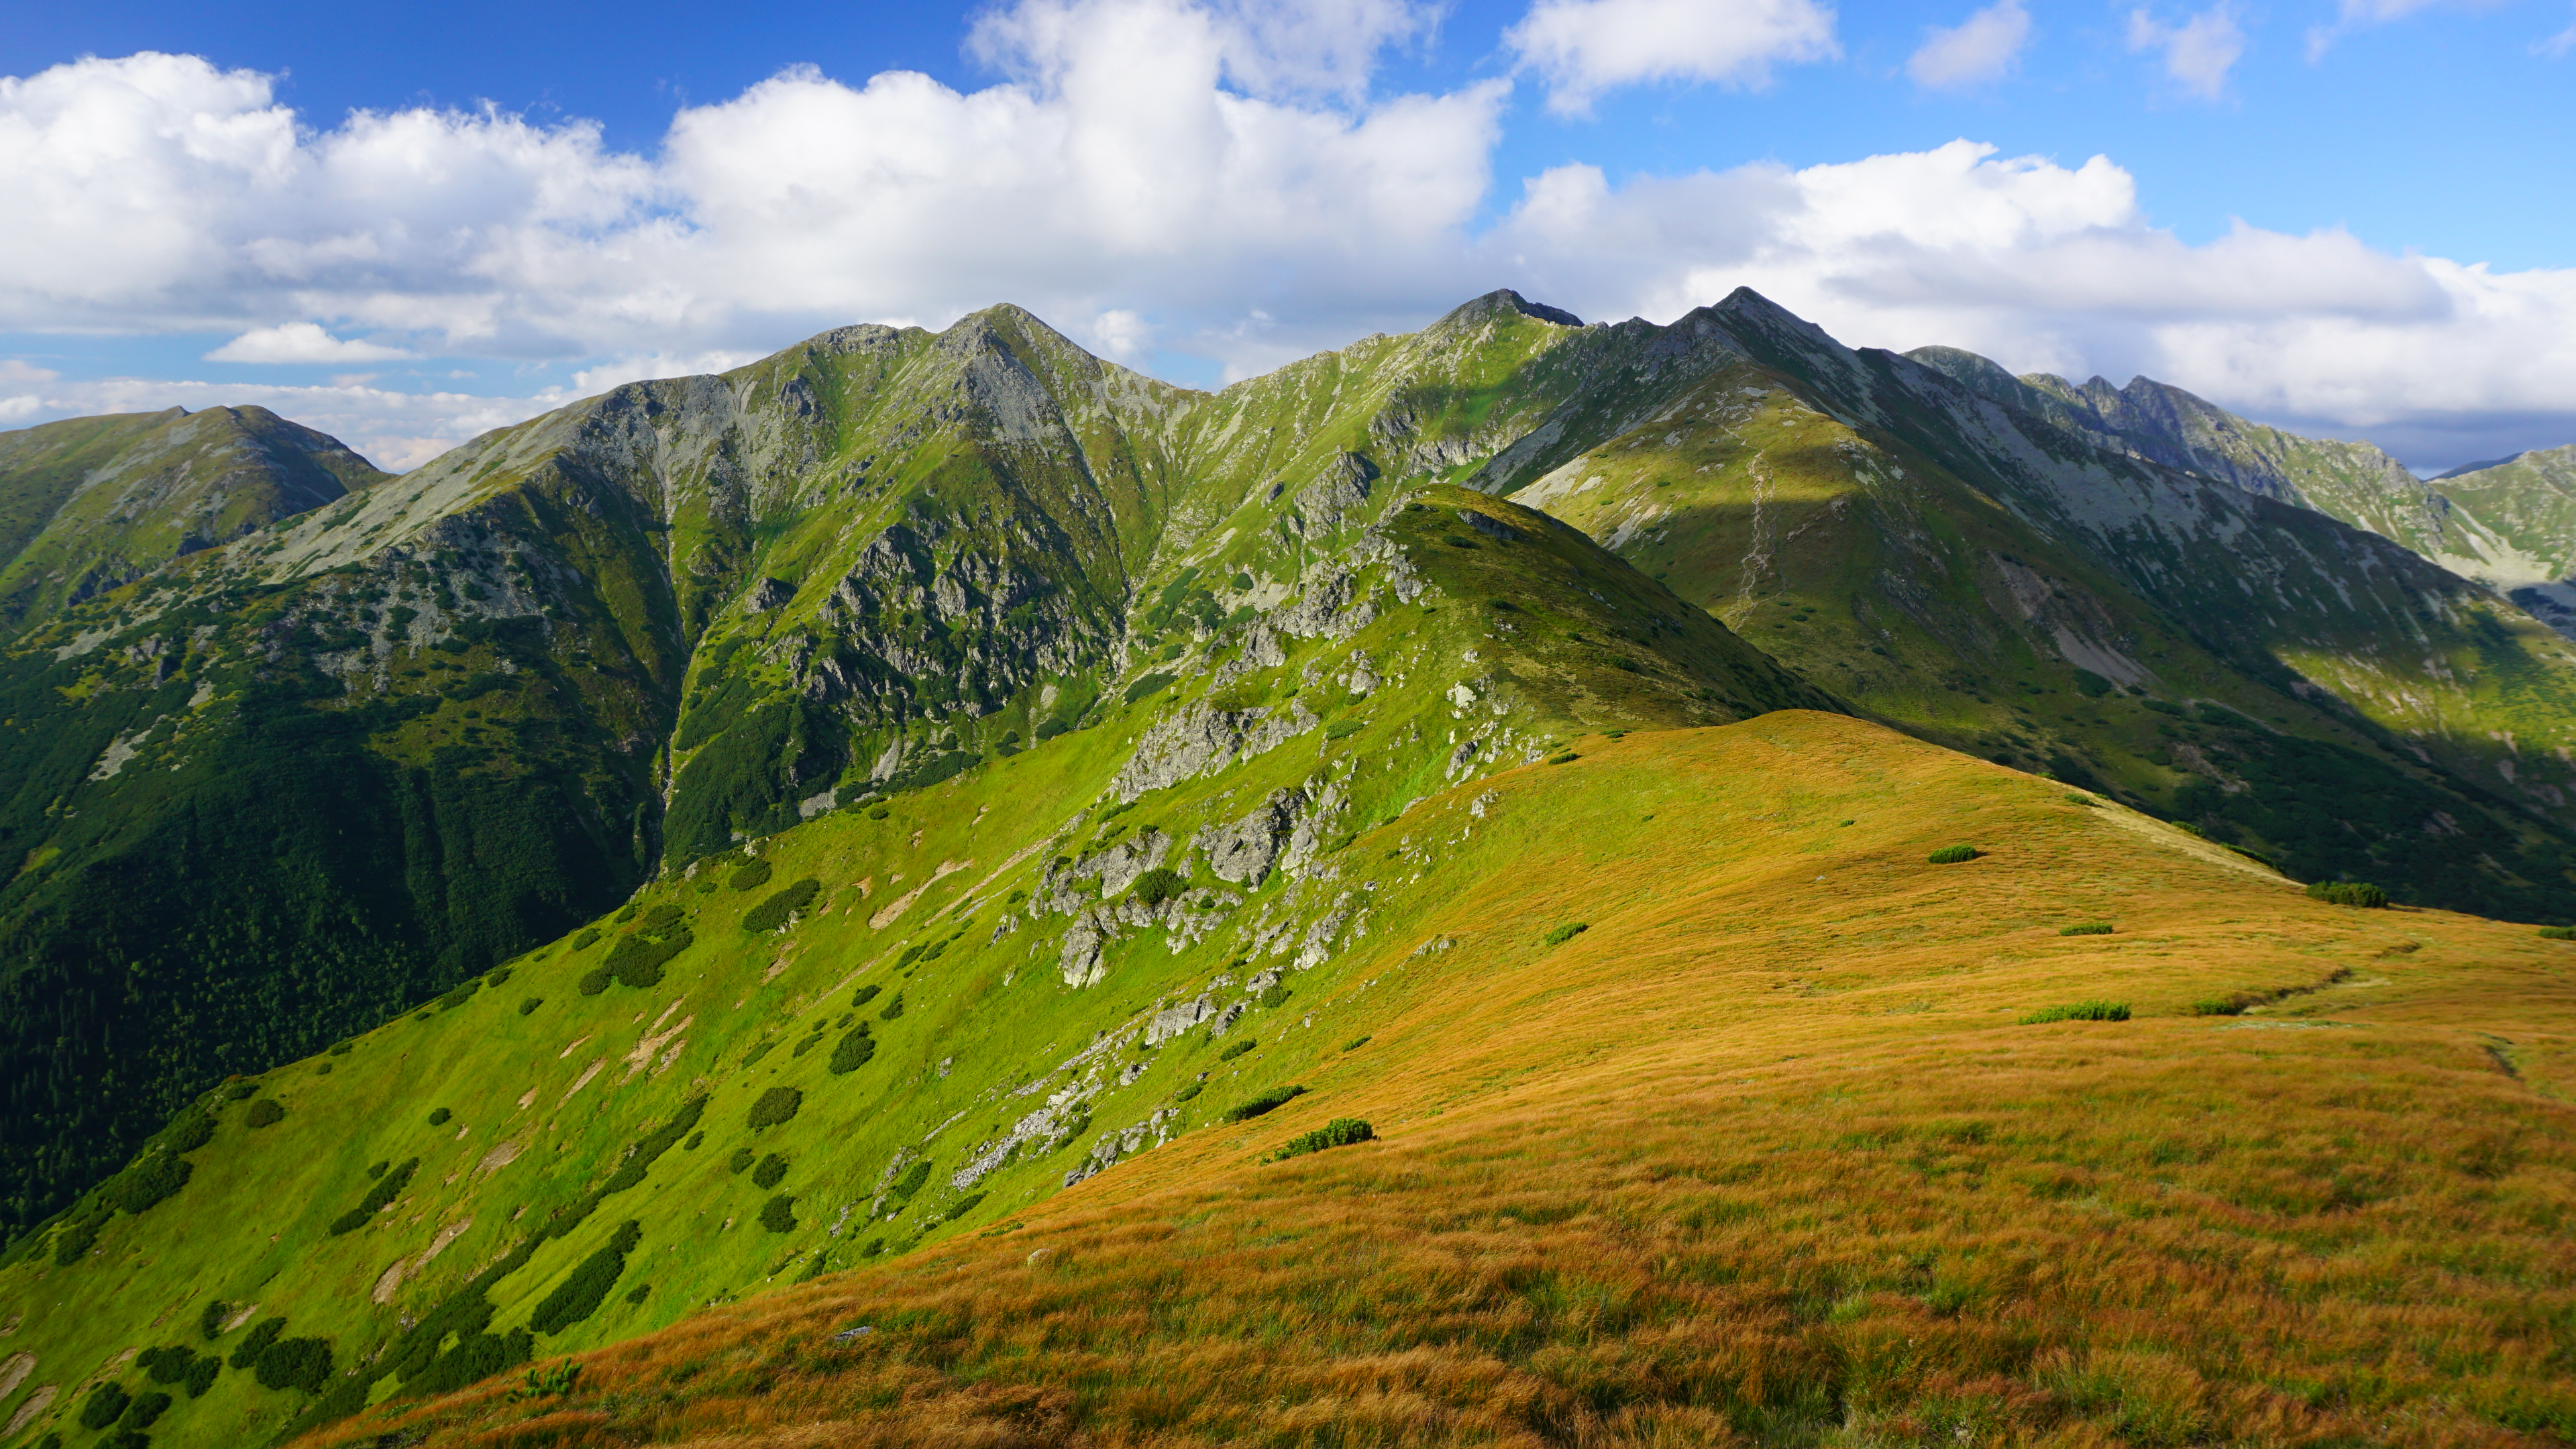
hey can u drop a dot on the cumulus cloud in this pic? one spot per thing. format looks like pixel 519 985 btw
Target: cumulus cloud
pixel 300 342
pixel 2557 45
pixel 2056 268
pixel 1583 48
pixel 1978 50
pixel 1159 178
pixel 2198 53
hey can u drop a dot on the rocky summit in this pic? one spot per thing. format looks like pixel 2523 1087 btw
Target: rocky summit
pixel 1533 881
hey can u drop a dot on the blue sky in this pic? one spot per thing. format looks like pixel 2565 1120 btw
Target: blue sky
pixel 2351 216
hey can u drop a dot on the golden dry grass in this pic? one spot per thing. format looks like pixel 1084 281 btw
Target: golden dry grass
pixel 1762 1157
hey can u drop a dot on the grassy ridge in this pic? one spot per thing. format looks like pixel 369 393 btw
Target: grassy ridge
pixel 1762 1156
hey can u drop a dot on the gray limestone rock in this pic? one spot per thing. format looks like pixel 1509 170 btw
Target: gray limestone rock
pixel 1244 850
pixel 1200 741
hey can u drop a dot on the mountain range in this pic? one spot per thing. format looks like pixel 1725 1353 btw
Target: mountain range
pixel 1019 741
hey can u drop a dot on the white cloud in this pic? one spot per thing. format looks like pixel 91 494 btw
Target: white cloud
pixel 1980 49
pixel 2198 53
pixel 1159 179
pixel 300 342
pixel 2047 267
pixel 2351 15
pixel 1586 47
pixel 2557 45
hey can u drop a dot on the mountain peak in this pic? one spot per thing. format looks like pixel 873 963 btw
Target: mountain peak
pixel 1502 301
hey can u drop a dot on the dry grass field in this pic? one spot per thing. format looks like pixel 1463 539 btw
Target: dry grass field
pixel 1766 1155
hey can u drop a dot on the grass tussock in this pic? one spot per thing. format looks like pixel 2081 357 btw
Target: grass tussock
pixel 2079 1011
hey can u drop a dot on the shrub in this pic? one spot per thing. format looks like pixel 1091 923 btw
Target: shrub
pixel 1355 1043
pixel 893 1008
pixel 1953 854
pixel 1276 995
pixel 1236 1050
pixel 344 1046
pixel 2080 1011
pixel 157 1174
pixel 238 1090
pixel 1565 933
pixel 1263 1105
pixel 2558 933
pixel 201 1375
pixel 772 913
pixel 770 1171
pixel 911 1181
pixel 105 1403
pixel 853 1051
pixel 440 1116
pixel 1186 1093
pixel 2232 1004
pixel 262 1334
pixel 1340 1132
pixel 593 982
pixel 910 954
pixel 2086 928
pixel 750 877
pixel 531 1004
pixel 1147 685
pixel 779 1213
pixel 2072 798
pixel 265 1112
pixel 1159 885
pixel 498 976
pixel 741 1159
pixel 1566 757
pixel 662 917
pixel 387 1188
pixel 588 938
pixel 642 1292
pixel 296 1363
pixel 1342 729
pixel 210 1319
pixel 167 1364
pixel 865 994
pixel 775 1106
pixel 2349 893
pixel 580 1295
pixel 638 960
pixel 692 1144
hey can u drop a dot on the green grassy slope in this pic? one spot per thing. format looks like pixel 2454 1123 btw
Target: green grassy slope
pixel 87 504
pixel 996 922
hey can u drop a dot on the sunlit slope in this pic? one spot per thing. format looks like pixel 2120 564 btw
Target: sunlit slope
pixel 1765 1155
pixel 1966 572
pixel 1186 846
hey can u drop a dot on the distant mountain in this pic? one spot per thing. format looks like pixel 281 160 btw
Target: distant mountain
pixel 87 504
pixel 2509 525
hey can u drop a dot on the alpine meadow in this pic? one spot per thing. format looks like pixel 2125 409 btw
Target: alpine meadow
pixel 1534 882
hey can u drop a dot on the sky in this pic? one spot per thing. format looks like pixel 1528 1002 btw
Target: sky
pixel 407 224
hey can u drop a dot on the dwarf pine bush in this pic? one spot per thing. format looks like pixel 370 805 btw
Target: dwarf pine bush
pixel 750 877
pixel 2080 1011
pixel 1236 1050
pixel 1261 1106
pixel 1159 885
pixel 853 1051
pixel 2349 893
pixel 775 1106
pixel 1565 933
pixel 579 1296
pixel 387 1188
pixel 772 1168
pixel 1340 1132
pixel 2086 928
pixel 865 994
pixel 779 1213
pixel 2558 933
pixel 773 912
pixel 264 1112
pixel 1954 854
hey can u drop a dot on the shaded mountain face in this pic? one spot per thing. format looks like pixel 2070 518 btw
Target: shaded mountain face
pixel 275 791
pixel 2510 525
pixel 87 504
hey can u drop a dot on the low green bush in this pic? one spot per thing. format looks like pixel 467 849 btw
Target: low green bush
pixel 775 1106
pixel 210 1319
pixel 779 1213
pixel 155 1175
pixel 1355 1043
pixel 167 1364
pixel 1565 933
pixel 588 938
pixel 2080 1011
pixel 865 994
pixel 642 1292
pixel 772 1169
pixel 593 982
pixel 440 1116
pixel 146 1409
pixel 1342 729
pixel 1340 1132
pixel 531 1004
pixel 201 1375
pixel 377 1169
pixel 497 976
pixel 1566 757
pixel 295 1363
pixel 853 1051
pixel 264 1112
pixel 1236 1050
pixel 773 912
pixel 344 1046
pixel 1186 1093
pixel 579 1296
pixel 661 918
pixel 893 1009
pixel 387 1188
pixel 1159 885
pixel 637 960
pixel 1263 1105
pixel 2086 928
pixel 2232 1004
pixel 2558 933
pixel 1954 854
pixel 1147 685
pixel 104 1404
pixel 2349 893
pixel 742 1158
pixel 239 1091
pixel 750 877
pixel 262 1334
pixel 1273 996
pixel 911 1181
